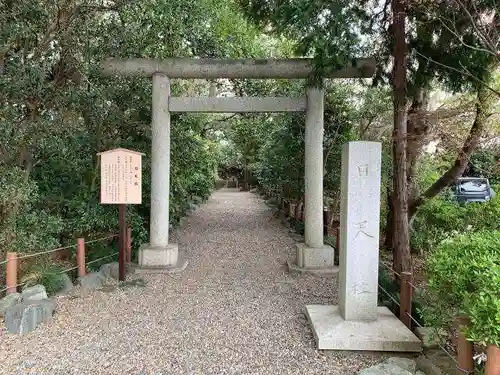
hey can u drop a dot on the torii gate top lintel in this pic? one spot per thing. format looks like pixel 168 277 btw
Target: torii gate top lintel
pixel 231 68
pixel 160 252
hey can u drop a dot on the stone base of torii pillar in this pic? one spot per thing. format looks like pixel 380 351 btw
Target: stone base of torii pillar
pixel 160 259
pixel 357 323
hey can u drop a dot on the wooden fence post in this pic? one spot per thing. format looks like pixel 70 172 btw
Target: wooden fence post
pixel 406 294
pixel 80 257
pixel 291 210
pixel 11 272
pixel 286 208
pixel 326 220
pixel 129 244
pixel 300 211
pixel 493 363
pixel 465 350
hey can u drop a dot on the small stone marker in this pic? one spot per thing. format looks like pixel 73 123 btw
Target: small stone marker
pixel 34 293
pixel 357 323
pixel 25 317
pixel 67 284
pixel 360 227
pixel 430 337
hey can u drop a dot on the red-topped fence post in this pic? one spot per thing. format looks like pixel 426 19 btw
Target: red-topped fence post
pixel 465 350
pixel 11 272
pixel 80 257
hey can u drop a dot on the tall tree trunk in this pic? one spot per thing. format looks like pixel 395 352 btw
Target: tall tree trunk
pixel 483 107
pixel 417 132
pixel 400 235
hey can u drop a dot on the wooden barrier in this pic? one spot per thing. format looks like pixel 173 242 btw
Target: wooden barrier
pixel 405 301
pixel 80 257
pixel 493 363
pixel 11 272
pixel 465 350
pixel 129 244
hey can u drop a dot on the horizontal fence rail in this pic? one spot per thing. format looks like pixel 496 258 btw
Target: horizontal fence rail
pixel 13 259
pixel 465 363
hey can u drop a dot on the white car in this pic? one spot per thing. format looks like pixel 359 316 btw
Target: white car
pixel 473 189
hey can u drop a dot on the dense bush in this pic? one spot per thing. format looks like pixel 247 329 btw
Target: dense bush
pixel 279 162
pixel 485 162
pixel 464 281
pixel 442 218
pixel 58 111
pixel 20 213
pixel 48 274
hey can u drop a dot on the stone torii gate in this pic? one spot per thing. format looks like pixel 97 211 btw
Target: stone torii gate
pixel 162 253
pixel 357 323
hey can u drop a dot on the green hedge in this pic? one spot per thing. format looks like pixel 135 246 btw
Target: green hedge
pixel 441 218
pixel 464 280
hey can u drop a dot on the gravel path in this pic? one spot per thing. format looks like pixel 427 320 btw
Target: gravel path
pixel 234 310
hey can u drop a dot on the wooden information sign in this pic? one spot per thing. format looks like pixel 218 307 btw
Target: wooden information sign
pixel 121 184
pixel 121 179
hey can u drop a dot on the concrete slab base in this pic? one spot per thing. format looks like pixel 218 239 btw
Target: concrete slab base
pixel 387 333
pixel 309 257
pixel 325 271
pixel 181 266
pixel 158 256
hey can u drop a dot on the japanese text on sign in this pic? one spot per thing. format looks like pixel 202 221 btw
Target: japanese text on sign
pixel 121 177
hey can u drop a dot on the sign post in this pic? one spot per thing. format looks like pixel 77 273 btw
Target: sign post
pixel 122 224
pixel 121 184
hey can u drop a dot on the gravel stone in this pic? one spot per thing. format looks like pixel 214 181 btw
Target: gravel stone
pixel 234 310
pixel 8 301
pixel 67 284
pixel 404 363
pixel 91 281
pixel 34 293
pixel 110 270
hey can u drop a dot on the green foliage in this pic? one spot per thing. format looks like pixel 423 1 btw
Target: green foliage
pixel 327 30
pixel 441 218
pixel 48 274
pixel 485 162
pixel 57 111
pixel 281 157
pixel 273 145
pixel 19 214
pixel 464 280
pixel 101 249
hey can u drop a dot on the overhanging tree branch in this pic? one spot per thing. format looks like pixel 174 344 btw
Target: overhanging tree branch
pixel 457 169
pixel 467 73
pixel 481 34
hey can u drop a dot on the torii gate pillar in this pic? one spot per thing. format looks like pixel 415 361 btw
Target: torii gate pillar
pixel 159 252
pixel 313 254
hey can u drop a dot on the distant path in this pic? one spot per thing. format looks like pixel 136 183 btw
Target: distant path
pixel 234 310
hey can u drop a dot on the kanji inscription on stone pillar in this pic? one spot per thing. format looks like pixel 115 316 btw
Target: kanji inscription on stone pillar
pixel 121 178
